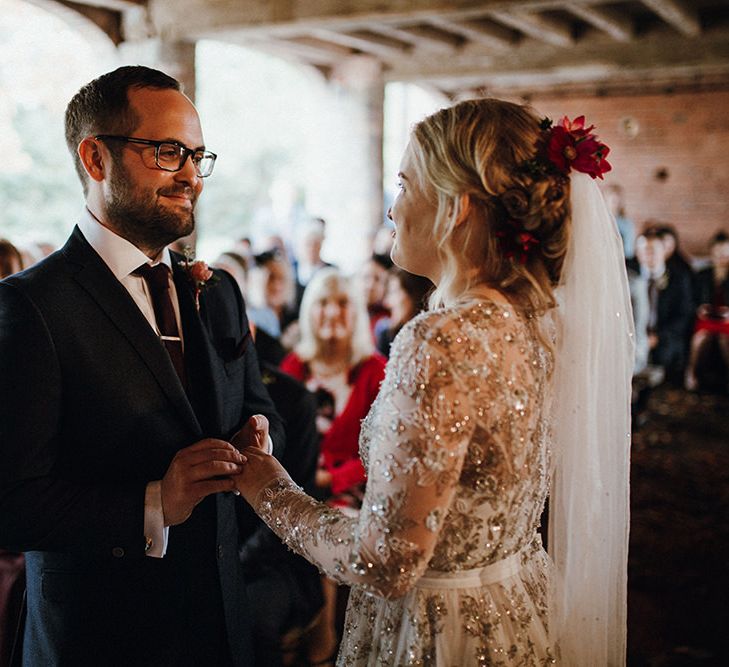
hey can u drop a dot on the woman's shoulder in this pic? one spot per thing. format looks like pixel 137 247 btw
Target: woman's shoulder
pixel 447 323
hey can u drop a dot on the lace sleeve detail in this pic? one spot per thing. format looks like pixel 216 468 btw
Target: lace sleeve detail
pixel 416 435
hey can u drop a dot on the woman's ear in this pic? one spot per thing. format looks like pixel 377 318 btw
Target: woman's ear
pixel 89 151
pixel 461 206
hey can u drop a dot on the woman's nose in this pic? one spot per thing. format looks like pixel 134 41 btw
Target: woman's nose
pixel 389 213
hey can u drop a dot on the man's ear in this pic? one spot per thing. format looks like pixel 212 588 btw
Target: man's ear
pixel 90 153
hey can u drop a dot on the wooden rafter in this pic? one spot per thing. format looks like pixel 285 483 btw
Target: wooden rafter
pixel 537 27
pixel 677 15
pixel 610 21
pixel 490 35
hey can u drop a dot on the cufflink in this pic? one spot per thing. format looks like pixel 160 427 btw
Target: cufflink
pixel 147 543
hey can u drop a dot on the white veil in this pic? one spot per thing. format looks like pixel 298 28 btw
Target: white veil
pixel 589 501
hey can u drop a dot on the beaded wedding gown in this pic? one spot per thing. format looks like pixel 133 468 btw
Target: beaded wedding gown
pixel 444 560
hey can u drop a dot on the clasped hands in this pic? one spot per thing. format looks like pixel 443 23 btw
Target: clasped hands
pixel 214 466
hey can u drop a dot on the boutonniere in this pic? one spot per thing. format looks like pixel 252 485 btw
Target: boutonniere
pixel 662 282
pixel 198 273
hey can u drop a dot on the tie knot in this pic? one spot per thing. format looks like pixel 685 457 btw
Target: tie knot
pixel 157 276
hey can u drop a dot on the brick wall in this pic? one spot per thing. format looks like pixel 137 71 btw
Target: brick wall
pixel 669 152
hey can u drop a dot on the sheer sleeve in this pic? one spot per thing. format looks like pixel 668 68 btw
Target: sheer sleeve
pixel 416 436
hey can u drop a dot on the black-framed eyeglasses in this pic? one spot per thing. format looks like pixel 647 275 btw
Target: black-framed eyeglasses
pixel 171 156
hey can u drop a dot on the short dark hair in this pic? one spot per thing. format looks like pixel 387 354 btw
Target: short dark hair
pixel 381 260
pixel 720 237
pixel 8 253
pixel 102 106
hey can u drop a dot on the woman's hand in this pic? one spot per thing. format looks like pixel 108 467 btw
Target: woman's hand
pixel 253 434
pixel 259 470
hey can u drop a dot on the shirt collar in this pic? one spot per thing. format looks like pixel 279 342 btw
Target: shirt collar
pixel 121 256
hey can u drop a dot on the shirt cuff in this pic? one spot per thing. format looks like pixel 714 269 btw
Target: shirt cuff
pixel 155 531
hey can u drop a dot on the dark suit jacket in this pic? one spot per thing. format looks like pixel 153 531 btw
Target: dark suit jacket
pixel 675 313
pixel 91 410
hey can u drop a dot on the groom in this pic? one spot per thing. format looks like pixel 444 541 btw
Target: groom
pixel 123 374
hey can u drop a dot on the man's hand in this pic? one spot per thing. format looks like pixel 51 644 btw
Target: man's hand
pixel 253 434
pixel 196 472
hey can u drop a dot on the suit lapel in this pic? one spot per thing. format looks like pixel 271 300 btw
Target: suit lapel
pixel 113 299
pixel 201 361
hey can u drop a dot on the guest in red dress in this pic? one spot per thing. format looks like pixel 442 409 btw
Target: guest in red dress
pixel 337 361
pixel 712 315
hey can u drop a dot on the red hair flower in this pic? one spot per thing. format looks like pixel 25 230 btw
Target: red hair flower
pixel 571 145
pixel 516 242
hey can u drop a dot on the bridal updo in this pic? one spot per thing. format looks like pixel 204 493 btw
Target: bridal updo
pixel 479 148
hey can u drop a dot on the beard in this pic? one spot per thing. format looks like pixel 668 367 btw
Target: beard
pixel 138 216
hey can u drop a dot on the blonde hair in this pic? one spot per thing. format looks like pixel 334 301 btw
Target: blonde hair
pixel 324 283
pixel 478 148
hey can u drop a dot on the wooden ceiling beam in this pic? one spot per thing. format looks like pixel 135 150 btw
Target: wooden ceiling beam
pixel 365 41
pixel 537 27
pixel 588 63
pixel 489 34
pixel 423 37
pixel 611 22
pixel 677 15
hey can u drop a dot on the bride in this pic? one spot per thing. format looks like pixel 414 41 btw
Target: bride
pixel 517 378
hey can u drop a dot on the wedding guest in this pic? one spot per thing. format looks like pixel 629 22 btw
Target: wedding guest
pixel 670 302
pixel 336 361
pixel 406 296
pixel 615 199
pixel 518 375
pixel 237 266
pixel 12 564
pixel 309 241
pixel 712 314
pixel 373 277
pixel 271 292
pixel 11 261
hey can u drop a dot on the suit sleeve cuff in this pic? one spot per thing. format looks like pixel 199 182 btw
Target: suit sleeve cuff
pixel 155 532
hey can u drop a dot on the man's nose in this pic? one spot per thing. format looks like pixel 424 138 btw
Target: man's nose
pixel 188 173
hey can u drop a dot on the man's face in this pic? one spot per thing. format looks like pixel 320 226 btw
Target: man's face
pixel 651 252
pixel 146 205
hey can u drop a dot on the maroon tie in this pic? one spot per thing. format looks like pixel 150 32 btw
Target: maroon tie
pixel 158 281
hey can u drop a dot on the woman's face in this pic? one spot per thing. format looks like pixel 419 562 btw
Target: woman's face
pixel 399 302
pixel 332 317
pixel 414 214
pixel 275 289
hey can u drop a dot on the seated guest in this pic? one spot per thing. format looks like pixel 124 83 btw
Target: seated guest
pixel 615 199
pixel 670 305
pixel 675 258
pixel 290 586
pixel 271 293
pixel 11 261
pixel 406 296
pixel 712 314
pixel 336 360
pixel 309 241
pixel 12 567
pixel 237 266
pixel 373 276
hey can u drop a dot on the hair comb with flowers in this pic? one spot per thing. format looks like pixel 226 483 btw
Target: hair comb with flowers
pixel 560 149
